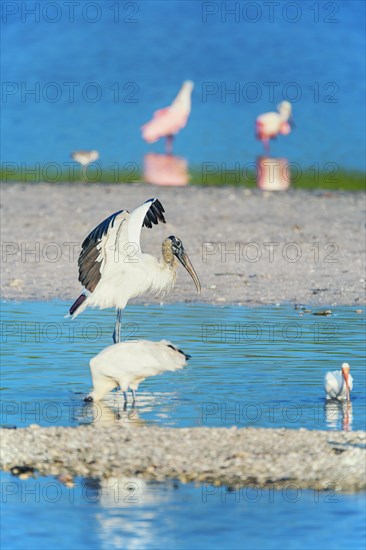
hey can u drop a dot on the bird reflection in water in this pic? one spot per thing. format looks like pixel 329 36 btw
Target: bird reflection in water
pixel 338 414
pixel 111 412
pixel 165 170
pixel 129 510
pixel 273 174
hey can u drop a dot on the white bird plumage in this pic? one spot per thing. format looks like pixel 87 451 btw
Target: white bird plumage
pixel 127 364
pixel 113 269
pixel 85 157
pixel 338 384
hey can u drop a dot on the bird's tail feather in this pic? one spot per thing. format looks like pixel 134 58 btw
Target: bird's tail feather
pixel 77 305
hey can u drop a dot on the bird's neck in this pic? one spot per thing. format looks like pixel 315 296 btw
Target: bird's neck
pixel 165 276
pixel 285 115
pixel 170 266
pixel 183 100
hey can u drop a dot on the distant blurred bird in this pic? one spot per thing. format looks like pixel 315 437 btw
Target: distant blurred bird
pixel 127 364
pixel 84 158
pixel 168 121
pixel 165 169
pixel 339 383
pixel 270 125
pixel 113 269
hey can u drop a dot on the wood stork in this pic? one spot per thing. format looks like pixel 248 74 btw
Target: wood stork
pixel 168 121
pixel 127 364
pixel 339 383
pixel 269 125
pixel 113 269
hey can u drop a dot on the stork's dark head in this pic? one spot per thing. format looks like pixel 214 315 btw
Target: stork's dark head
pixel 173 248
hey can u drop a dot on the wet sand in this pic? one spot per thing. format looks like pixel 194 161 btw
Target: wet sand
pixel 248 247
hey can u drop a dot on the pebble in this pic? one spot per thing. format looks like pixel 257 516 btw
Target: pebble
pixel 222 455
pixel 325 312
pixel 16 283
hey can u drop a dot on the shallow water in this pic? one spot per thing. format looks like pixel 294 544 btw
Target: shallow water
pixel 260 367
pixel 132 513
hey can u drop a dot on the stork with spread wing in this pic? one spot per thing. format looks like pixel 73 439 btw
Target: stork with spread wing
pixel 113 269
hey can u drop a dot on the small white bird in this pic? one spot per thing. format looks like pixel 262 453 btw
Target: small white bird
pixel 127 364
pixel 339 383
pixel 113 269
pixel 85 157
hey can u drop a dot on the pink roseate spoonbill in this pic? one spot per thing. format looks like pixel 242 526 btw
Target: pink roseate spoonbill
pixel 168 121
pixel 339 383
pixel 269 125
pixel 127 364
pixel 113 269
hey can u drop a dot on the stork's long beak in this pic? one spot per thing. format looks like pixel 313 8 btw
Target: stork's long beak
pixel 187 264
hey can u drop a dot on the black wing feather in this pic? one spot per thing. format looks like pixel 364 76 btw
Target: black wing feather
pixel 154 214
pixel 89 273
pixel 179 351
pixel 101 229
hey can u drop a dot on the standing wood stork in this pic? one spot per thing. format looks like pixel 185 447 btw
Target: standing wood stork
pixel 269 125
pixel 113 269
pixel 339 383
pixel 168 121
pixel 127 364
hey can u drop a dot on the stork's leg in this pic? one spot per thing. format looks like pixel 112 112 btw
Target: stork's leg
pixel 133 397
pixel 117 327
pixel 169 144
pixel 125 396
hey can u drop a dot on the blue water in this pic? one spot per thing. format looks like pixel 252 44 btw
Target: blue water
pixel 250 367
pixel 99 74
pixel 132 513
pixel 259 367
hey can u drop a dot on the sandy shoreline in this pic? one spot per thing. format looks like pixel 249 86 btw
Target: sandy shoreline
pixel 249 456
pixel 248 247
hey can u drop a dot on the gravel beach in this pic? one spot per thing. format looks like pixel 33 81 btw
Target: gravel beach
pixel 261 457
pixel 247 246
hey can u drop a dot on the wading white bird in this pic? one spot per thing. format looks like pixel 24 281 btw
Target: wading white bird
pixel 113 269
pixel 269 125
pixel 127 364
pixel 339 383
pixel 168 121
